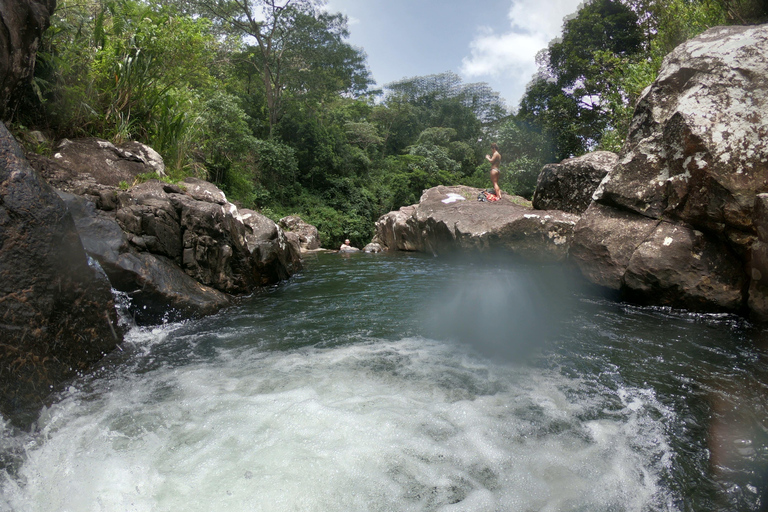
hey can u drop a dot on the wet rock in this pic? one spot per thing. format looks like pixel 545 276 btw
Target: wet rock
pixel 157 289
pixel 57 315
pixel 570 184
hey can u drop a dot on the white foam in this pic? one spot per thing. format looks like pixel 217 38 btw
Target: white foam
pixel 407 425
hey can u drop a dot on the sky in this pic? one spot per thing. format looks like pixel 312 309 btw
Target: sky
pixel 492 41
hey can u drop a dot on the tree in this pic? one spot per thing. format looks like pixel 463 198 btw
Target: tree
pixel 483 101
pixel 576 98
pixel 298 48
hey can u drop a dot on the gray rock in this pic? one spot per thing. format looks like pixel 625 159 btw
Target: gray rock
pixel 569 185
pixel 436 226
pixel 697 150
pixel 696 158
pixel 373 248
pixel 274 255
pixel 682 267
pixel 201 190
pixel 148 213
pixel 106 163
pixel 604 241
pixel 757 262
pixel 157 289
pixel 308 235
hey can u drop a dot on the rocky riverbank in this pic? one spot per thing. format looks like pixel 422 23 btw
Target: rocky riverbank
pixel 73 233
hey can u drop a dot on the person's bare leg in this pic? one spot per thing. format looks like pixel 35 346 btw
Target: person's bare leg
pixel 495 181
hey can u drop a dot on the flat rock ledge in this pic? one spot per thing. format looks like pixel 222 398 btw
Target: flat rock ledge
pixel 450 219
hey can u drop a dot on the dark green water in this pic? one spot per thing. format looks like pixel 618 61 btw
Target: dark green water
pixel 406 382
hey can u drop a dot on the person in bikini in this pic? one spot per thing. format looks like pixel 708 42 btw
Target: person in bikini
pixel 495 159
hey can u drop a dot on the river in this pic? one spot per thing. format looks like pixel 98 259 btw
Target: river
pixel 405 382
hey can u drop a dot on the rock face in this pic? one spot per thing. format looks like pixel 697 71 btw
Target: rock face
pixel 569 185
pixel 106 163
pixel 307 233
pixel 157 288
pixel 698 142
pixel 56 311
pixel 678 218
pixel 182 250
pixel 177 250
pixel 450 218
pixel 23 23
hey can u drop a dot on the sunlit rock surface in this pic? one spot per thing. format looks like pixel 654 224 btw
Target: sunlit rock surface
pixel 697 150
pixel 307 234
pixel 570 184
pixel 451 219
pixel 675 222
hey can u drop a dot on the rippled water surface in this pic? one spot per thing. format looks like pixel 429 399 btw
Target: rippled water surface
pixel 405 382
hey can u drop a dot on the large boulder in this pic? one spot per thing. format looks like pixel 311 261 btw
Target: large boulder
pixel 107 163
pixel 157 289
pixel 275 254
pixel 656 262
pixel 23 23
pixel 697 149
pixel 193 225
pixel 604 241
pixel 57 313
pixel 683 267
pixel 679 218
pixel 397 230
pixel 177 250
pixel 451 219
pixel 570 184
pixel 307 233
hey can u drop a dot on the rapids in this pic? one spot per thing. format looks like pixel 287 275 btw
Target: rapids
pixel 405 382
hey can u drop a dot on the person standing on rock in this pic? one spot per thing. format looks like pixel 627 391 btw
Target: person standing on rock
pixel 495 159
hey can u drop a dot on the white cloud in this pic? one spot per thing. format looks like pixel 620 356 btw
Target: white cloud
pixel 512 55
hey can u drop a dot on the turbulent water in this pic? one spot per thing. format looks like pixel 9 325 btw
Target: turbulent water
pixel 405 382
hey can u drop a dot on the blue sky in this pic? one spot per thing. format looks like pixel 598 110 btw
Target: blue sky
pixel 493 41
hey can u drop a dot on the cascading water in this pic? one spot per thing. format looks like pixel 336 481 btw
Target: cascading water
pixel 404 382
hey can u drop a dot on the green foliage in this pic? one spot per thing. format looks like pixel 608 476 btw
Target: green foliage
pixel 227 147
pixel 123 70
pixel 276 172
